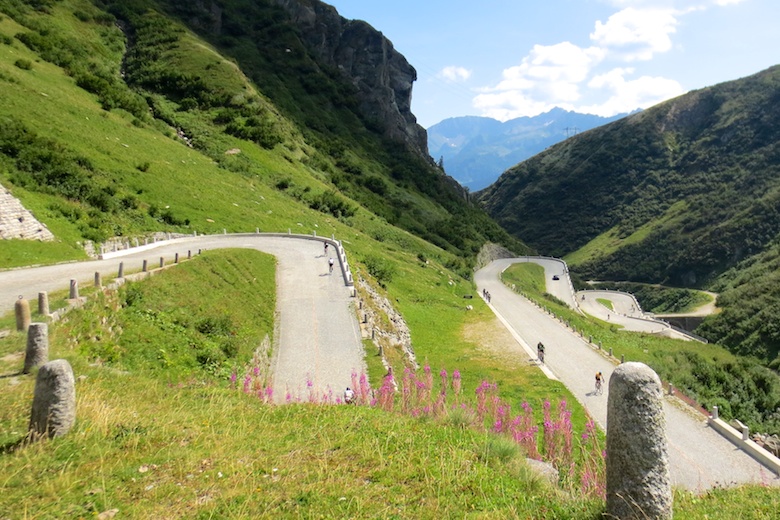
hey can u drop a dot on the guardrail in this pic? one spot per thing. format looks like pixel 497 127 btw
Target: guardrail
pixel 741 439
pixel 339 248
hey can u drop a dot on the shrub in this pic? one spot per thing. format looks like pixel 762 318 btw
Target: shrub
pixel 23 64
pixel 330 202
pixel 381 269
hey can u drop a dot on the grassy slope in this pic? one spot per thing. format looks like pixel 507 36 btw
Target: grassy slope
pixel 182 444
pixel 159 435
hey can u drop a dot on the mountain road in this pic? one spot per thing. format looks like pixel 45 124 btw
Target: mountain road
pixel 700 458
pixel 318 342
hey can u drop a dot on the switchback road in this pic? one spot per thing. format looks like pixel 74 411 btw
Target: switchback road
pixel 318 342
pixel 700 458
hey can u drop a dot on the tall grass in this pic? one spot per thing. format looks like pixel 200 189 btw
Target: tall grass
pixel 426 396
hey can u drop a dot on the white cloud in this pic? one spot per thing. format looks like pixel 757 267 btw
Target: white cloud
pixel 627 95
pixel 455 74
pixel 636 34
pixel 549 76
pixel 509 105
pixel 594 79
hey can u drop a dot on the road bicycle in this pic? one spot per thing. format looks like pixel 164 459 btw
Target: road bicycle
pixel 599 387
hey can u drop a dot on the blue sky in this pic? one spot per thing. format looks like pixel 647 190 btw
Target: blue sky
pixel 513 58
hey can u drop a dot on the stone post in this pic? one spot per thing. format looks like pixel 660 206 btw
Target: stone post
pixel 43 303
pixel 145 267
pixel 176 258
pixel 54 402
pixel 162 261
pixel 37 352
pixel 189 254
pixel 74 289
pixel 638 481
pixel 22 312
pixel 98 280
pixel 121 273
pixel 714 412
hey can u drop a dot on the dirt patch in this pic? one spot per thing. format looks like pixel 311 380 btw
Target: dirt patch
pixel 495 341
pixel 14 357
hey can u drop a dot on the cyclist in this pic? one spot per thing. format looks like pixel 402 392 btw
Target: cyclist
pixel 599 382
pixel 540 352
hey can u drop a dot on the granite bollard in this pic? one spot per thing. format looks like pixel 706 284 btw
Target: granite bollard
pixel 22 313
pixel 37 351
pixel 54 402
pixel 638 480
pixel 43 303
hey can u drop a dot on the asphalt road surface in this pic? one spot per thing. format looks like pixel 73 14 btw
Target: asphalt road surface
pixel 700 458
pixel 318 342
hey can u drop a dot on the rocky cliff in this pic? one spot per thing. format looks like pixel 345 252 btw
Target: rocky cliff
pixel 382 76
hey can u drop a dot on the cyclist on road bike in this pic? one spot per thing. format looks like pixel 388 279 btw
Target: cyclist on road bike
pixel 540 352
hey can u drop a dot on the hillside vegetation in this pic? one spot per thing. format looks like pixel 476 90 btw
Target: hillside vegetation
pixel 678 194
pixel 110 132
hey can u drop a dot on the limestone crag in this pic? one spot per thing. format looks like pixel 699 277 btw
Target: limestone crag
pixel 381 74
pixel 17 222
pixel 490 252
pixel 393 327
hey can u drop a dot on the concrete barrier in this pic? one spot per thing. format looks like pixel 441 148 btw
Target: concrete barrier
pixel 737 437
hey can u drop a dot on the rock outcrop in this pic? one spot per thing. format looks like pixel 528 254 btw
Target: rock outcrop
pixel 381 74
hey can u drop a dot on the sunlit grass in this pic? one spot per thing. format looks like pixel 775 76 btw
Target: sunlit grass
pixel 606 303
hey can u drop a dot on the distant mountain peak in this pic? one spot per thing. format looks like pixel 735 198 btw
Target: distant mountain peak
pixel 476 150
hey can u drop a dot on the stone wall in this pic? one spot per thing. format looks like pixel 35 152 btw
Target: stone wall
pixel 17 222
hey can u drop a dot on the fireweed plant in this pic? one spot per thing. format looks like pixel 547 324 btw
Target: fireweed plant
pixel 579 461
